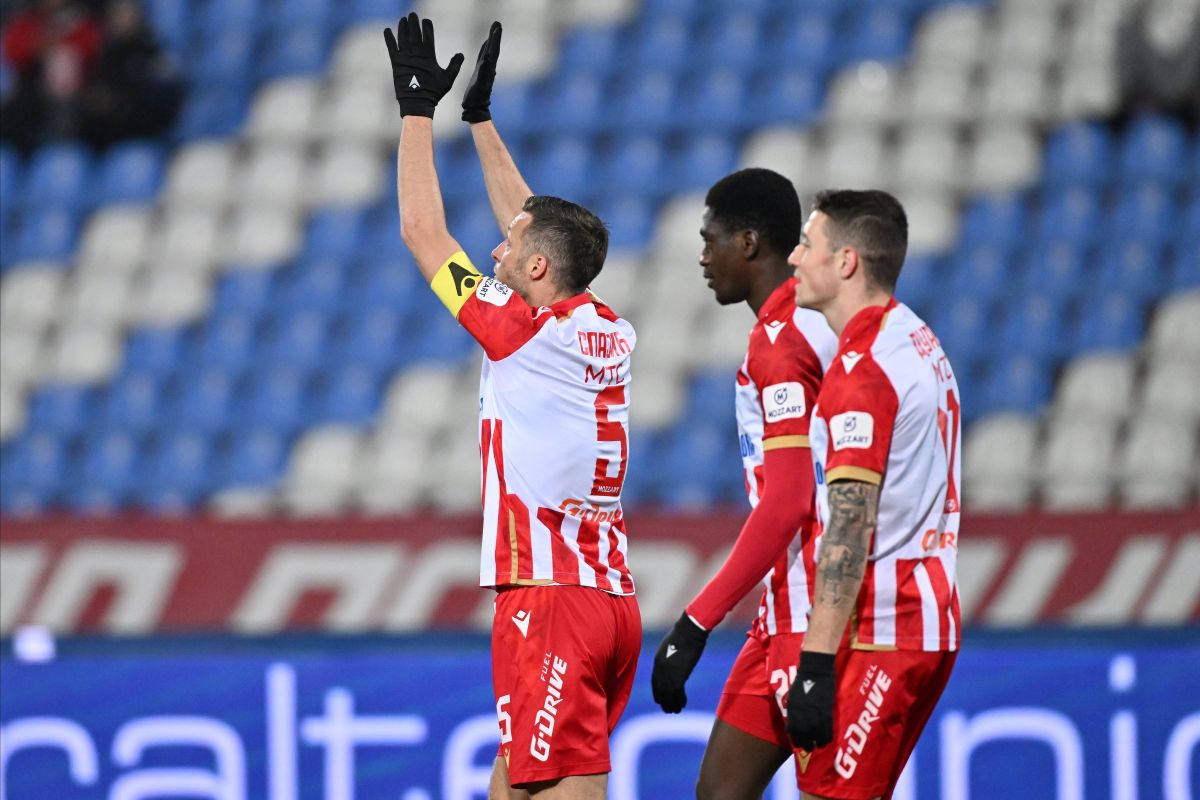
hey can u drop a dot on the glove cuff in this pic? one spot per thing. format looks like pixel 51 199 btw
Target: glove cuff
pixel 817 663
pixel 474 115
pixel 688 629
pixel 416 108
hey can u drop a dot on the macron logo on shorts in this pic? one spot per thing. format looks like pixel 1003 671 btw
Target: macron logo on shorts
pixel 521 620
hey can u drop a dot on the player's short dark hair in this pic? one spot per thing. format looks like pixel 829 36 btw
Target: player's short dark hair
pixel 571 237
pixel 759 200
pixel 873 223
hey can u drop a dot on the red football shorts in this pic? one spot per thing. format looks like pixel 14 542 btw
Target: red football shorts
pixel 563 660
pixel 755 693
pixel 884 698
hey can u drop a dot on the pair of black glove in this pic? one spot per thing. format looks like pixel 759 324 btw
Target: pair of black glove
pixel 810 699
pixel 421 82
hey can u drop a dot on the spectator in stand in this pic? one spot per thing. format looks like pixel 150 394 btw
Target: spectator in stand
pixel 137 90
pixel 1158 59
pixel 52 46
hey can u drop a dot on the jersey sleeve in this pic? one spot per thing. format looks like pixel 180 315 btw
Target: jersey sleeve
pixel 861 415
pixel 491 312
pixel 789 380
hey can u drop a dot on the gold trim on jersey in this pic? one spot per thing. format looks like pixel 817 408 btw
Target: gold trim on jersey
pixel 532 582
pixel 780 442
pixel 849 473
pixel 512 544
pixel 856 645
pixel 455 281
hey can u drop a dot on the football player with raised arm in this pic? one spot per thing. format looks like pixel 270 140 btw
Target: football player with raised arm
pixel 885 628
pixel 751 223
pixel 552 438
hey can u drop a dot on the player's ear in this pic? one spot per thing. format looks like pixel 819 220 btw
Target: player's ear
pixel 538 267
pixel 748 240
pixel 848 262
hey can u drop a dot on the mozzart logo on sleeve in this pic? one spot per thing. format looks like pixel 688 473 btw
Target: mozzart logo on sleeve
pixel 493 291
pixel 783 401
pixel 852 430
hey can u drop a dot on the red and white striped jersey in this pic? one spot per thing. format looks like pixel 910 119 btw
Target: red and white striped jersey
pixel 790 349
pixel 553 432
pixel 888 414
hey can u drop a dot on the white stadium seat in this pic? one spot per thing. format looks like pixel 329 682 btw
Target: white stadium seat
pixel 97 298
pixel 1004 157
pixel 792 153
pixel 998 462
pixel 321 471
pixel 1076 465
pixel 1175 330
pixel 418 399
pixel 856 158
pixel 262 237
pixel 1096 387
pixel 357 57
pixel 863 96
pixel 355 112
pixel 1026 34
pixel 391 471
pixel 938 94
pixel 928 156
pixel 1016 91
pixel 594 12
pixel 950 37
pixel 284 112
pixel 452 478
pixel 12 410
pixel 186 241
pixel 1170 389
pixel 1157 463
pixel 1086 89
pixel 22 357
pixel 29 296
pixel 348 175
pixel 201 175
pixel 932 220
pixel 83 354
pixel 116 239
pixel 166 297
pixel 273 175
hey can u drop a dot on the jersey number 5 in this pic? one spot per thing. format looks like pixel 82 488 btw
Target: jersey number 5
pixel 949 423
pixel 608 430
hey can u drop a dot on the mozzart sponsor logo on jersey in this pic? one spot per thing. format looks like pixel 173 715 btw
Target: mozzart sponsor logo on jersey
pixel 493 291
pixel 852 430
pixel 855 737
pixel 783 401
pixel 553 670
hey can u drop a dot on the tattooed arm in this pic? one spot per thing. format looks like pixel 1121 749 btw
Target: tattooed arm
pixel 853 509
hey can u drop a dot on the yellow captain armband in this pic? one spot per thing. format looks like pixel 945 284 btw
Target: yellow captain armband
pixel 455 281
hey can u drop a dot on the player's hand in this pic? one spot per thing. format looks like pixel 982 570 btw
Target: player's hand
pixel 810 701
pixel 673 663
pixel 420 83
pixel 478 99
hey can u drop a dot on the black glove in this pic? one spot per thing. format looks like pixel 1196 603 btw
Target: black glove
pixel 478 99
pixel 810 702
pixel 418 79
pixel 673 663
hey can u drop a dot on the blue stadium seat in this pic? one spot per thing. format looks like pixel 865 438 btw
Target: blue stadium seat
pixel 132 402
pixel 984 269
pixel 921 279
pixel 59 176
pixel 333 233
pixel 963 326
pixel 62 410
pixel 646 102
pixel 105 471
pixel 253 458
pixel 204 401
pixel 633 164
pixel 275 399
pixel 996 218
pixel 713 101
pixel 294 340
pixel 1079 154
pixel 1154 148
pixel 131 173
pixel 562 167
pixel 697 456
pixel 512 108
pixel 660 42
pixel 1133 267
pixel 224 58
pixel 312 286
pixel 371 337
pixel 630 221
pixel 710 395
pixel 1113 321
pixel 176 472
pixel 48 235
pixel 227 341
pixel 701 162
pixel 246 292
pixel 801 39
pixel 435 336
pixel 476 230
pixel 348 395
pixel 1145 211
pixel 1056 267
pixel 792 95
pixel 1019 383
pixel 213 111
pixel 34 470
pixel 1183 268
pixel 393 284
pixel 591 50
pixel 880 34
pixel 1035 325
pixel 1191 214
pixel 11 191
pixel 218 15
pixel 170 20
pixel 283 14
pixel 574 102
pixel 296 49
pixel 1072 212
pixel 387 11
pixel 154 350
pixel 735 34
